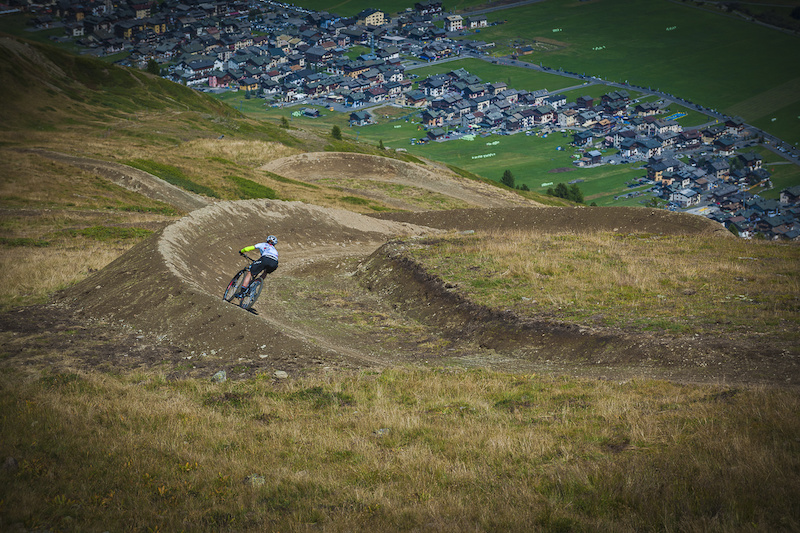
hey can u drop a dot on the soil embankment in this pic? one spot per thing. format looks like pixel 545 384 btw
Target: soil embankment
pixel 171 284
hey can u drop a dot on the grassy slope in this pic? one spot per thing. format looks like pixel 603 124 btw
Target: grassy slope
pixel 399 450
pixel 444 448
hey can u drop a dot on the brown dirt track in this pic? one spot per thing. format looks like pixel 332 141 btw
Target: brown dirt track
pixel 345 296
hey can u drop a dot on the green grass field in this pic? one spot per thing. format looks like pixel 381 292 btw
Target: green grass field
pixel 390 7
pixel 721 62
pixel 514 77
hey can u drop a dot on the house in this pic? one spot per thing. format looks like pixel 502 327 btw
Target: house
pixel 645 148
pixel 567 118
pixel 585 102
pixel 713 132
pixel 587 118
pixel 555 101
pixel 544 114
pixel 657 168
pixel 734 125
pixel 685 197
pixel 371 17
pixel 478 21
pixel 416 98
pixel 594 157
pixel 432 118
pixel 718 168
pixel 688 139
pixel 453 23
pixel 743 227
pixel 436 134
pixel 751 160
pixel 725 145
pixel 790 196
pixel 393 88
pixel 435 86
pixel 361 118
pixel 646 109
pixel 493 119
pixel 376 94
pixel 616 96
pixel 582 138
pixel 428 7
pixel 602 127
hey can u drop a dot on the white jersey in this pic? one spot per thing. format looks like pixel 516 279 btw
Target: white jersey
pixel 266 249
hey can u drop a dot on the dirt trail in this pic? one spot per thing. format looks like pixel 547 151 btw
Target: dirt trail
pixel 171 285
pixel 344 165
pixel 346 297
pixel 133 179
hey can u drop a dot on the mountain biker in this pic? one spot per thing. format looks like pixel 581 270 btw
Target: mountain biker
pixel 267 263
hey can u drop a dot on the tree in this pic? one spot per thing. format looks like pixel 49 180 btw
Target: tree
pixel 575 194
pixel 153 67
pixel 508 179
pixel 380 145
pixel 284 123
pixel 336 133
pixel 572 192
pixel 562 191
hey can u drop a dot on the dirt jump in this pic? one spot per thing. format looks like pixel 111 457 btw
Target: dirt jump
pixel 370 171
pixel 346 297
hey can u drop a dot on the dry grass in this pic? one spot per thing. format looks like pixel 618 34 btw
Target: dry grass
pixel 679 283
pixel 398 450
pixel 423 199
pixel 30 274
pixel 242 152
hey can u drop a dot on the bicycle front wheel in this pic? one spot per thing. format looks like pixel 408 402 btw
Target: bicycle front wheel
pixel 252 295
pixel 233 286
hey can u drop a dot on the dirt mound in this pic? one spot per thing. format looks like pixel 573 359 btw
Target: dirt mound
pixel 317 166
pixel 542 345
pixel 347 296
pixel 171 285
pixel 567 219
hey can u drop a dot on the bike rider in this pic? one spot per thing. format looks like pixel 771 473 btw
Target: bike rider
pixel 267 263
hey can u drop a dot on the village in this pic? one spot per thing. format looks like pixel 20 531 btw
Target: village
pixel 289 56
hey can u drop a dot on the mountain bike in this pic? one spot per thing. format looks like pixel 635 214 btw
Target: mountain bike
pixel 253 291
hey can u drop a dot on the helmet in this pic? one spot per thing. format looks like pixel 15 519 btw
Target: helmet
pixel 272 239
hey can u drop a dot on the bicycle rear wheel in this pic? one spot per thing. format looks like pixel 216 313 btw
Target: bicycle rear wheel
pixel 233 286
pixel 252 295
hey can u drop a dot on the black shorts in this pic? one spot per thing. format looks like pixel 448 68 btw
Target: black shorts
pixel 264 263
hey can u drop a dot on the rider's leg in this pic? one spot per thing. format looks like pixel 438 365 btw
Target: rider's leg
pixel 247 277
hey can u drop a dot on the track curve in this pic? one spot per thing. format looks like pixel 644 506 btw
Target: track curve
pixel 171 284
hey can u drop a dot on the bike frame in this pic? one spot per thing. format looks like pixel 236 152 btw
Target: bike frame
pixel 237 280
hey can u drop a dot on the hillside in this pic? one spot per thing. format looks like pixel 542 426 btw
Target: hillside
pixel 434 352
pixel 161 288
